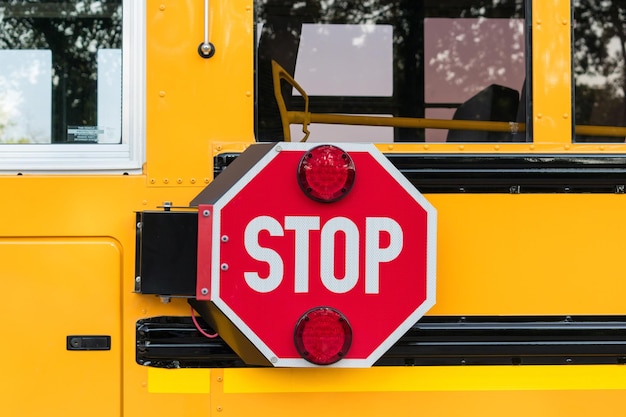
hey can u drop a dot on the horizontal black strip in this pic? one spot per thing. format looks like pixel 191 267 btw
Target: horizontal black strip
pixel 174 342
pixel 513 173
pixel 487 173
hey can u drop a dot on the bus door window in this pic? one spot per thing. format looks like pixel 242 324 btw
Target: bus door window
pixel 60 72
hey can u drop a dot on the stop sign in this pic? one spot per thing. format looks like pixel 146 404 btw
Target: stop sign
pixel 268 254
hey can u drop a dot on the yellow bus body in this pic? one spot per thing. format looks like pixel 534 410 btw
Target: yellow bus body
pixel 67 247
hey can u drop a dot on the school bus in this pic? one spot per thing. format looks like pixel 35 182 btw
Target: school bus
pixel 508 116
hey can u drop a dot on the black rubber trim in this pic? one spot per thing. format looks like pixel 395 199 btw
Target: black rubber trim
pixel 511 173
pixel 170 342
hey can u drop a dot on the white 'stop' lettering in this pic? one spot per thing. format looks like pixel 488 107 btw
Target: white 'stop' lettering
pixel 302 226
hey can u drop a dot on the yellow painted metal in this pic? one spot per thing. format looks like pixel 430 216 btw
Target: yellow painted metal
pixel 551 67
pixel 51 290
pixel 190 100
pixel 529 254
pixel 431 403
pixel 67 247
pixel 490 391
pixel 179 381
pixel 440 378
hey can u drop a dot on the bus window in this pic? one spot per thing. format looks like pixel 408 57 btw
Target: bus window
pixel 61 59
pixel 599 70
pixel 61 72
pixel 413 70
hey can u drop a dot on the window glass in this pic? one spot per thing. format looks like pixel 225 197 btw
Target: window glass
pixel 391 59
pixel 72 92
pixel 60 71
pixel 464 56
pixel 25 96
pixel 599 70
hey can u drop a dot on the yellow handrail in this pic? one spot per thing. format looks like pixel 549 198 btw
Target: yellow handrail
pixel 305 117
pixel 278 74
pixel 296 117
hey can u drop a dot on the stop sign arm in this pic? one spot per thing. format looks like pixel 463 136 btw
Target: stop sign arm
pixel 230 334
pixel 204 201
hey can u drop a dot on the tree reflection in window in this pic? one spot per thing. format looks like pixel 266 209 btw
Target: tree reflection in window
pixel 493 33
pixel 73 31
pixel 599 68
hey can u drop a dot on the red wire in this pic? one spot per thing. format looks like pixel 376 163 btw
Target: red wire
pixel 202 332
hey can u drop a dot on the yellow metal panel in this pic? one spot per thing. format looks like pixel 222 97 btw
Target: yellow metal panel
pixel 191 100
pixel 447 403
pixel 179 381
pixel 530 254
pixel 436 378
pixel 67 245
pixel 433 391
pixel 408 391
pixel 52 288
pixel 551 66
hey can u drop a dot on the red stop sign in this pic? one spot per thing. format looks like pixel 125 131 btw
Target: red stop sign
pixel 267 254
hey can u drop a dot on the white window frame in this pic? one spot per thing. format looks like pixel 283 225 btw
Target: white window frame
pixel 127 157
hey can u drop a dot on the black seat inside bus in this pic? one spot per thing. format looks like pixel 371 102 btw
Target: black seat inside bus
pixel 494 103
pixel 521 117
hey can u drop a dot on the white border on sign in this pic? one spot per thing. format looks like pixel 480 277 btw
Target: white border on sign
pixel 431 257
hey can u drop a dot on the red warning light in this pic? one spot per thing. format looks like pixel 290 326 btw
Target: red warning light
pixel 326 173
pixel 323 336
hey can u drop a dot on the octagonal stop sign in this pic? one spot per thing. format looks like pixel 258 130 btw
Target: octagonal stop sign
pixel 272 260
